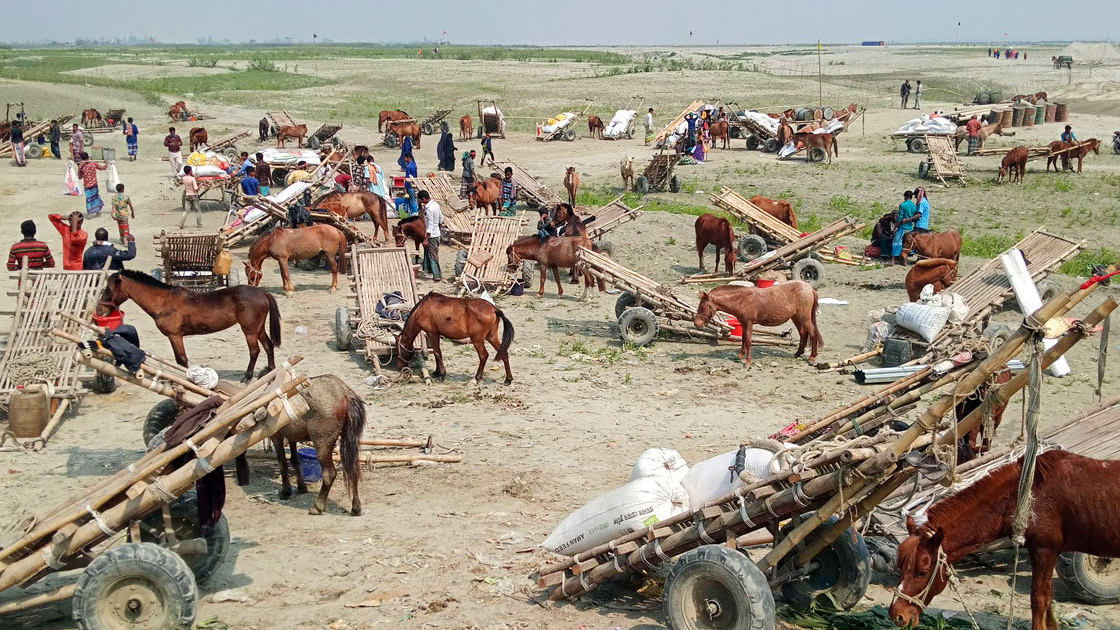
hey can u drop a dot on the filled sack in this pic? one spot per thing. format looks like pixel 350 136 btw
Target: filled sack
pixel 660 462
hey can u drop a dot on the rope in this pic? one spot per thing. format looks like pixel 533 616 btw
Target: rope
pixel 1030 457
pixel 33 367
pixel 1102 355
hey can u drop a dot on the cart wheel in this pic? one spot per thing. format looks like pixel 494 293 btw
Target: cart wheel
pixel 626 301
pixel 716 587
pixel 1092 579
pixel 313 142
pixel 185 521
pixel 605 248
pixel 641 185
pixel 1047 290
pixel 923 169
pixel 752 143
pixel 808 270
pixel 735 132
pixel 460 262
pixel 918 145
pixel 279 178
pixel 33 151
pixel 232 153
pixel 527 269
pixel 159 418
pixel 750 247
pixel 104 383
pixel 137 585
pixel 392 141
pixel 817 154
pixel 427 129
pixel 844 573
pixel 638 325
pixel 997 335
pixel 674 184
pixel 630 136
pixel 343 333
pixel 772 145
pixel 570 134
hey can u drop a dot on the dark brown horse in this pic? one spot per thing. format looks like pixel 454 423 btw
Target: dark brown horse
pixel 411 228
pixel 595 126
pixel 713 230
pixel 773 306
pixel 334 411
pixel 555 253
pixel 438 315
pixel 284 244
pixel 945 244
pixel 354 205
pixel 178 312
pixel 1073 510
pixel 198 137
pixel 389 115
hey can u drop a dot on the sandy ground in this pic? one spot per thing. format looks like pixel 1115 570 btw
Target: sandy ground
pixel 450 546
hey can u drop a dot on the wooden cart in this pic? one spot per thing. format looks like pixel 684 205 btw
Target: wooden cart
pixel 609 217
pixel 277 120
pixel 536 194
pixel 324 134
pixel 628 133
pixel 189 259
pixel 374 274
pixel 658 174
pixel 486 264
pixel 428 126
pixel 671 128
pixel 941 160
pixel 228 146
pixel 568 130
pixel 493 124
pixel 812 154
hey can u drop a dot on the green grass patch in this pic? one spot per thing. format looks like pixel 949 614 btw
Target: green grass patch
pixel 988 246
pixel 1082 265
pixel 1063 184
pixel 246 80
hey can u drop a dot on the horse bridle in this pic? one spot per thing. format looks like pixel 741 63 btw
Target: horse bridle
pixel 919 599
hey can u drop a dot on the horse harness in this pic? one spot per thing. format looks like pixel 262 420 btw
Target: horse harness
pixel 919 600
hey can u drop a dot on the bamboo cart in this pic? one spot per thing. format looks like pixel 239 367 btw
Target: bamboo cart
pixel 916 142
pixel 671 128
pixel 941 160
pixel 491 123
pixel 486 264
pixel 136 536
pixel 324 134
pixel 228 146
pixel 608 217
pixel 212 191
pixel 658 174
pixel 568 130
pixel 647 307
pixel 799 257
pixel 277 120
pixel 374 274
pixel 821 494
pixel 31 131
pixel 536 194
pixel 191 260
pixel 440 188
pixel 812 154
pixel 428 125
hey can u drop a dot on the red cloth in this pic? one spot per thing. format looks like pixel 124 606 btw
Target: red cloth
pixel 73 244
pixel 973 127
pixel 35 254
pixel 88 171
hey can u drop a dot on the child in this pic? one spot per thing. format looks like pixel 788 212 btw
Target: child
pixel 122 211
pixel 404 208
pixel 545 228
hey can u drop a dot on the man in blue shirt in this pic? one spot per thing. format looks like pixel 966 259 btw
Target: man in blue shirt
pixel 410 172
pixel 921 200
pixel 246 164
pixel 250 185
pixel 907 216
pixel 102 250
pixel 1069 138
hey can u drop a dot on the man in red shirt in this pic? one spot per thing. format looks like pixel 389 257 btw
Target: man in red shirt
pixel 29 252
pixel 973 129
pixel 73 239
pixel 173 143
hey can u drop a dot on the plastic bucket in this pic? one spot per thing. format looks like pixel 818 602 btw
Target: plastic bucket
pixel 736 326
pixel 764 283
pixel 110 321
pixel 309 464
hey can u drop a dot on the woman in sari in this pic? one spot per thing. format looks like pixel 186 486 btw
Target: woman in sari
pixel 88 172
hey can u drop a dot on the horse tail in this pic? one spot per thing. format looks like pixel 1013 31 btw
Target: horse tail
pixel 274 320
pixel 730 236
pixel 350 438
pixel 343 250
pixel 835 146
pixel 507 335
pixel 818 337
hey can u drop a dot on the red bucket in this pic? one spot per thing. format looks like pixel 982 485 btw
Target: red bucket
pixel 736 327
pixel 110 321
pixel 764 283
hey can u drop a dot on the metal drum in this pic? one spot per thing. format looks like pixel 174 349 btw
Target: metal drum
pixel 1061 113
pixel 1028 115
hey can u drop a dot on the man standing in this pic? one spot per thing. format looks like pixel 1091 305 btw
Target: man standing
pixel 468 175
pixel 1068 138
pixel 918 95
pixel 250 185
pixel 55 134
pixel 77 143
pixel 29 252
pixel 409 174
pixel 174 143
pixel 906 218
pixel 264 175
pixel 190 189
pixel 487 148
pixel 102 250
pixel 73 239
pixel 973 130
pixel 131 138
pixel 904 92
pixel 262 129
pixel 508 201
pixel 649 126
pixel 16 139
pixel 433 219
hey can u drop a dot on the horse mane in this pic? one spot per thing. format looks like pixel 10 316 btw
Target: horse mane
pixel 998 484
pixel 143 278
pixel 263 242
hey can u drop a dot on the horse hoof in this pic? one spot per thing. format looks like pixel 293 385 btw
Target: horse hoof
pixel 314 511
pixel 356 512
pixel 509 381
pixel 289 293
pixel 427 381
pixel 301 490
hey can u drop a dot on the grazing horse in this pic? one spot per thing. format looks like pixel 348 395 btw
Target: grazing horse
pixel 299 132
pixel 466 127
pixel 718 131
pixel 1072 510
pixel 772 306
pixel 410 228
pixel 595 126
pixel 945 244
pixel 987 130
pixel 626 167
pixel 1056 153
pixel 410 129
pixel 940 272
pixel 554 253
pixel 713 230
pixel 1014 165
pixel 178 111
pixel 568 223
pixel 198 137
pixel 825 141
pixel 780 209
pixel 284 244
pixel 438 315
pixel 90 117
pixel 179 312
pixel 396 114
pixel 354 205
pixel 486 193
pixel 263 129
pixel 335 412
pixel 571 184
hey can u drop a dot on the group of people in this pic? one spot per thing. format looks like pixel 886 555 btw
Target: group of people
pixel 698 139
pixel 1008 53
pixel 906 90
pixel 912 215
pixel 34 254
pixel 53 138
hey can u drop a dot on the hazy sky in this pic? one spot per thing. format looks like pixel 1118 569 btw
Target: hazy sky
pixel 583 22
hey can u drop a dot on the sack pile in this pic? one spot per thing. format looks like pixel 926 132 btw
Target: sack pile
pixel 924 124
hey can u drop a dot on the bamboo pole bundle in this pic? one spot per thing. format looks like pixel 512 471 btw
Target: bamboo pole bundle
pixel 879 416
pixel 861 404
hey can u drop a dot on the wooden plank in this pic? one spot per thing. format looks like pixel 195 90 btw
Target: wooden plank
pixel 528 185
pixel 676 122
pixel 375 272
pixel 491 237
pixel 742 209
pixel 611 216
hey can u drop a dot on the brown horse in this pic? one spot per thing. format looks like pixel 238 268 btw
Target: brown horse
pixel 1014 165
pixel 354 205
pixel 555 253
pixel 438 315
pixel 718 130
pixel 287 132
pixel 1073 509
pixel 334 412
pixel 780 209
pixel 772 306
pixel 178 111
pixel 284 244
pixel 466 127
pixel 595 126
pixel 486 193
pixel 785 132
pixel 1080 151
pixel 940 272
pixel 824 141
pixel 396 114
pixel 411 228
pixel 571 184
pixel 713 230
pixel 626 168
pixel 179 312
pixel 198 137
pixel 410 129
pixel 945 244
pixel 987 130
pixel 90 117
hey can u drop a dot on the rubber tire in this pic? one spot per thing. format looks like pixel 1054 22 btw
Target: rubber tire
pixel 159 418
pixel 641 185
pixel 817 154
pixel 1047 290
pixel 392 141
pixel 771 146
pixel 808 270
pixel 997 334
pixel 528 271
pixel 752 143
pixel 627 301
pixel 343 333
pixel 279 178
pixel 479 132
pixel 750 247
pixel 314 143
pixel 1078 575
pixel 232 153
pixel 184 515
pixel 103 383
pixel 638 326
pixel 33 151
pixel 159 568
pixel 848 556
pixel 923 169
pixel 427 129
pixel 734 571
pixel 734 133
pixel 606 248
pixel 918 145
pixel 569 134
pixel 674 184
pixel 909 145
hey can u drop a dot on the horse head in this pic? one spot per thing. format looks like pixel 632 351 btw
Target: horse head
pixel 398 236
pixel 1095 145
pixel 112 297
pixel 705 311
pixel 729 260
pixel 253 275
pixel 924 570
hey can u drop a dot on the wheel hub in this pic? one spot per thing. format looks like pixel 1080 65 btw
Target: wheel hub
pixel 132 603
pixel 713 609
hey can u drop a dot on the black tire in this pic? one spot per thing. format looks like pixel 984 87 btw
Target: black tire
pixel 641 185
pixel 844 574
pixel 1048 290
pixel 159 418
pixel 817 154
pixel 184 518
pixel 808 270
pixel 1092 579
pixel 104 383
pixel 627 301
pixel 674 184
pixel 427 129
pixel 923 169
pixel 734 132
pixel 918 145
pixel 479 132
pixel 343 333
pixel 606 248
pixel 752 143
pixel 33 151
pixel 715 578
pixel 997 335
pixel 528 270
pixel 638 326
pixel 569 134
pixel 392 141
pixel 279 178
pixel 232 153
pixel 771 146
pixel 313 142
pixel 750 247
pixel 142 574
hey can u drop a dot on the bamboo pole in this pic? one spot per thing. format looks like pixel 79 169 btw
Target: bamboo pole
pixel 101 330
pixel 859 358
pixel 369 458
pixel 40 599
pixel 862 403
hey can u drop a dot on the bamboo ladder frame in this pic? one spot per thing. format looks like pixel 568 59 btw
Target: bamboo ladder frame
pixel 529 186
pixel 610 216
pixel 676 122
pixel 373 273
pixel 486 259
pixel 943 159
pixel 187 259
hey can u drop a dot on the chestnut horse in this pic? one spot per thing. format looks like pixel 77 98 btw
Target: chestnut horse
pixel 780 209
pixel 466 127
pixel 396 114
pixel 354 205
pixel 1074 504
pixel 940 272
pixel 179 312
pixel 718 130
pixel 555 253
pixel 486 193
pixel 713 230
pixel 178 111
pixel 1082 149
pixel 91 116
pixel 772 306
pixel 438 315
pixel 945 244
pixel 284 244
pixel 571 184
pixel 595 126
pixel 410 228
pixel 299 132
pixel 410 129
pixel 987 130
pixel 198 137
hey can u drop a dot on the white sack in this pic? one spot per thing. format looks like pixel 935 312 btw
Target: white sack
pixel 927 321
pixel 711 478
pixel 660 462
